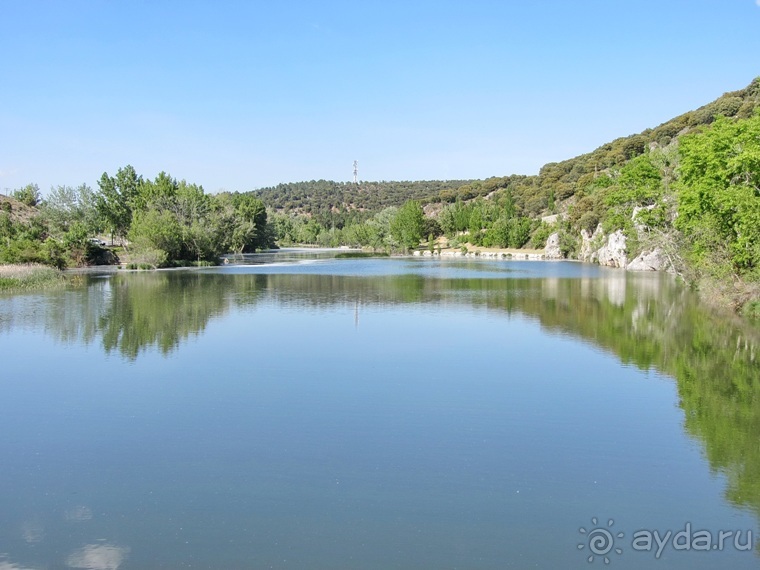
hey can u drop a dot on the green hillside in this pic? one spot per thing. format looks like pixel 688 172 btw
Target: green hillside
pixel 337 203
pixel 559 181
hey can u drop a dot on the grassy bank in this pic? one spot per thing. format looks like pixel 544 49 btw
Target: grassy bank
pixel 21 277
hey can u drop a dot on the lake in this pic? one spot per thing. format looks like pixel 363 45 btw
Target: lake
pixel 295 410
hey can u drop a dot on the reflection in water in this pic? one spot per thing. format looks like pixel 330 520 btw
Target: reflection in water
pixel 645 320
pixel 158 310
pixel 32 531
pixel 98 557
pixel 129 313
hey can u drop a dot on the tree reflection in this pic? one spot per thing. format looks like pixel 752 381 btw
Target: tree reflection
pixel 645 320
pixel 166 308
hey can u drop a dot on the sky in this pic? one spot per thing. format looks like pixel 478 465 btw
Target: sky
pixel 239 95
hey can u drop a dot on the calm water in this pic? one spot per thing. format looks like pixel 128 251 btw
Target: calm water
pixel 311 412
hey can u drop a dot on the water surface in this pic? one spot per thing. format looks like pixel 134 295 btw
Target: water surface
pixel 310 412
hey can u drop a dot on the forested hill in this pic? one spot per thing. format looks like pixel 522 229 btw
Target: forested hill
pixel 330 200
pixel 339 203
pixel 559 181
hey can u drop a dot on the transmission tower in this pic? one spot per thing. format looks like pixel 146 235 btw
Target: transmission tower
pixel 356 172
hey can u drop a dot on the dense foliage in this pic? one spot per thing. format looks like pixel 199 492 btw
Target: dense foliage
pixel 559 181
pixel 160 222
pixel 338 204
pixel 719 197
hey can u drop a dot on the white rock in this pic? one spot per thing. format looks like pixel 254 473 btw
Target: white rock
pixel 551 249
pixel 588 241
pixel 613 254
pixel 653 260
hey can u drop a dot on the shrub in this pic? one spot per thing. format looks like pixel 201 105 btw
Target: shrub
pixel 541 234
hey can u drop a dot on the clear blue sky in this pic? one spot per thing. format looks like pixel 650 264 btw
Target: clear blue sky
pixel 240 95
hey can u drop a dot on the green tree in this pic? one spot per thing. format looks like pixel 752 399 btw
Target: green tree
pixel 116 200
pixel 155 229
pixel 66 205
pixel 29 195
pixel 719 198
pixel 250 231
pixel 407 225
pixel 161 192
pixel 640 183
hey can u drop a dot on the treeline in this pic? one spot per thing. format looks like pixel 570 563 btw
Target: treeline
pixel 480 222
pixel 556 188
pixel 392 229
pixel 338 204
pixel 160 222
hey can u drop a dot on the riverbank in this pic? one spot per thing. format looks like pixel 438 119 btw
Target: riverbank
pixel 23 277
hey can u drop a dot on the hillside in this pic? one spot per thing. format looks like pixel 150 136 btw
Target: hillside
pixel 557 182
pixel 337 203
pixel 18 211
pixel 552 190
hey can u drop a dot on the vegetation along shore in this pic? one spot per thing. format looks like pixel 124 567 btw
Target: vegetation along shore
pixel 682 197
pixel 28 276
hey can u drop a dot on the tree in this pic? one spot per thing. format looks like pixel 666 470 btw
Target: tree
pixel 29 195
pixel 455 218
pixel 407 225
pixel 719 198
pixel 380 229
pixel 251 217
pixel 66 206
pixel 155 229
pixel 161 192
pixel 116 200
pixel 640 183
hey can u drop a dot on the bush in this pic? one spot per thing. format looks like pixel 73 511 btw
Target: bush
pixel 541 234
pixel 568 244
pixel 29 195
pixel 149 259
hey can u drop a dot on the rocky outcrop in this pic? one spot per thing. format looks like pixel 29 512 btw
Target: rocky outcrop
pixel 590 243
pixel 610 251
pixel 551 249
pixel 613 252
pixel 654 260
